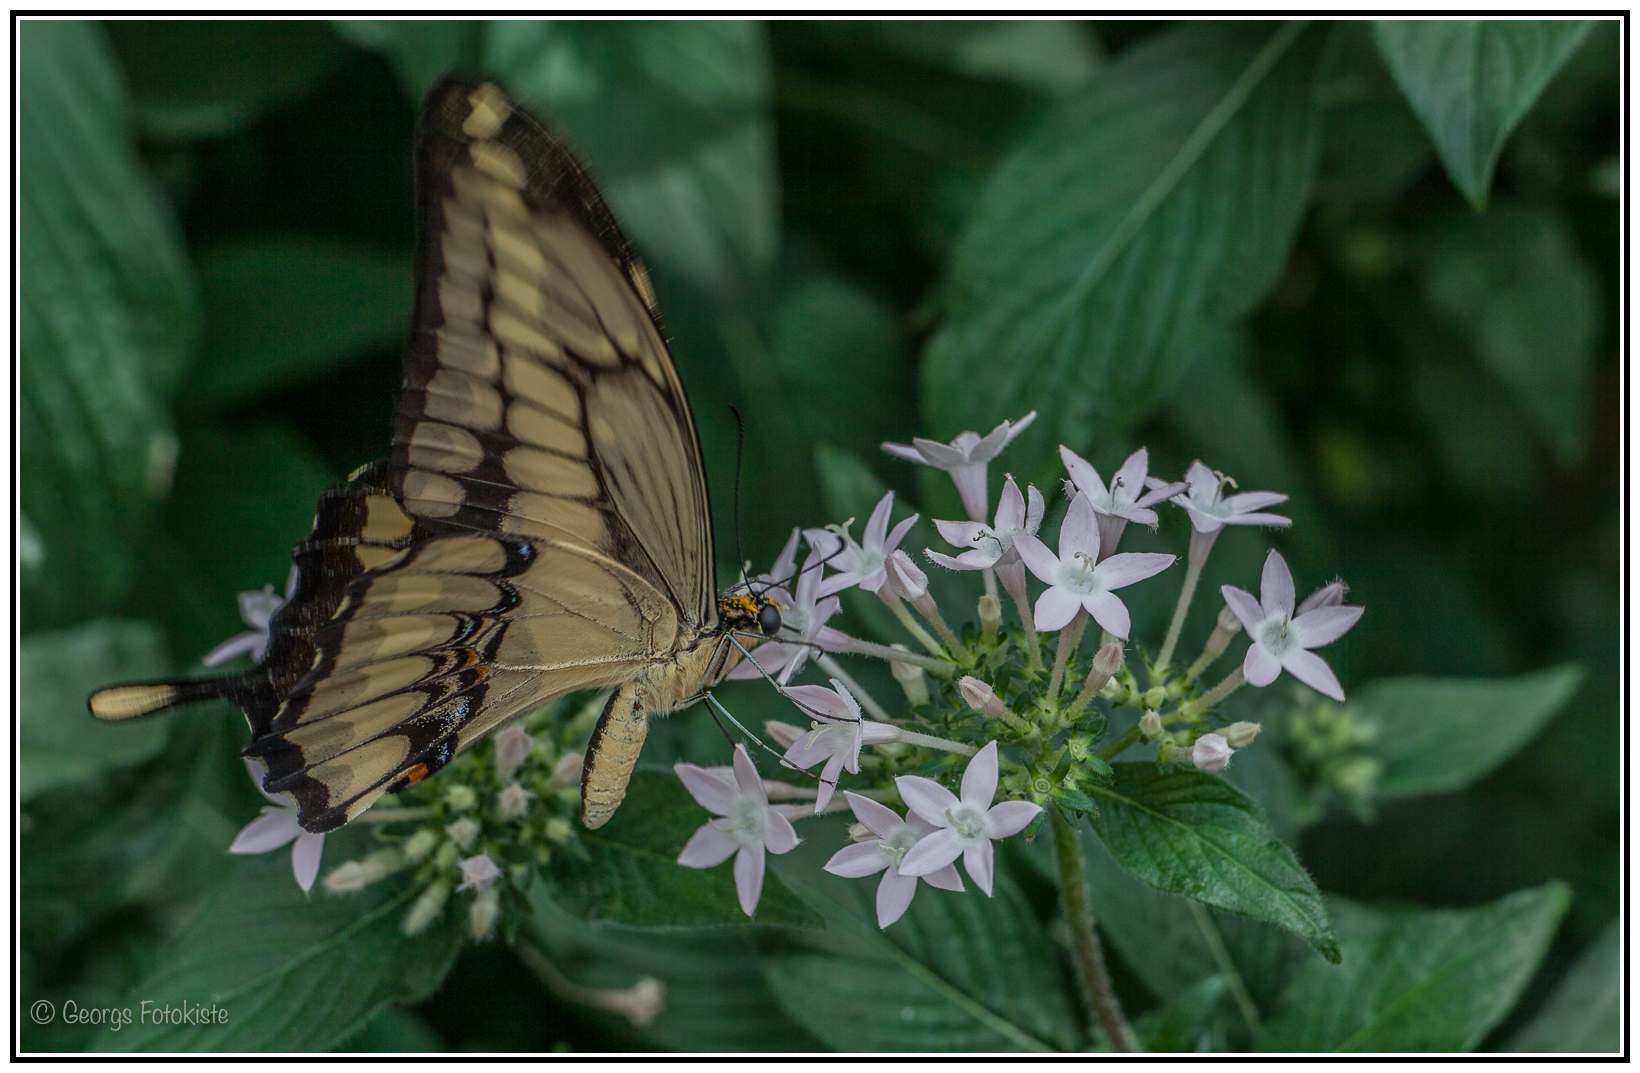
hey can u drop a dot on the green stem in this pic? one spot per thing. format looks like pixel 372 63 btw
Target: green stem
pixel 1192 575
pixel 1100 996
pixel 1121 744
pixel 928 741
pixel 1227 967
pixel 1070 638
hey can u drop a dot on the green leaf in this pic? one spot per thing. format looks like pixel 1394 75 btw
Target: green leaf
pixel 716 998
pixel 284 309
pixel 61 744
pixel 1160 197
pixel 1471 81
pixel 394 1031
pixel 208 78
pixel 631 873
pixel 1585 1012
pixel 959 972
pixel 1045 55
pixel 107 317
pixel 1188 832
pixel 1183 1023
pixel 673 118
pixel 421 50
pixel 1437 735
pixel 293 972
pixel 1514 285
pixel 1418 979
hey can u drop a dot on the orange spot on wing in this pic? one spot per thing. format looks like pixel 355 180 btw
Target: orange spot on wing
pixel 416 774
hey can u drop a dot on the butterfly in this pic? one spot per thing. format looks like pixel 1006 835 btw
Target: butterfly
pixel 541 525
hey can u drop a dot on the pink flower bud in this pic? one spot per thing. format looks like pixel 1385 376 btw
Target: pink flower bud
pixel 1211 752
pixel 904 578
pixel 980 696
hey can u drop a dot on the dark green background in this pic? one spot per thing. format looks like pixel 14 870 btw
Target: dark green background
pixel 216 235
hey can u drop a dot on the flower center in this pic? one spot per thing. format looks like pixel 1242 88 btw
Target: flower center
pixel 745 822
pixel 897 845
pixel 1276 635
pixel 1076 574
pixel 967 822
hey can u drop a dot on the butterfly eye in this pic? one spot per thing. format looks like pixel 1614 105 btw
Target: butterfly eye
pixel 768 620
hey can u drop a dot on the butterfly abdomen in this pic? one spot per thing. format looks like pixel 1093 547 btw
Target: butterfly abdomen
pixel 132 700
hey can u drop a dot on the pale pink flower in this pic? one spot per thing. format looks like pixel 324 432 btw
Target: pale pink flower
pixel 965 826
pixel 965 458
pixel 1281 638
pixel 276 827
pixel 803 629
pixel 1078 579
pixel 745 825
pixel 256 609
pixel 987 545
pixel 1210 510
pixel 477 873
pixel 863 564
pixel 512 745
pixel 891 838
pixel 1125 500
pixel 835 737
pixel 1211 752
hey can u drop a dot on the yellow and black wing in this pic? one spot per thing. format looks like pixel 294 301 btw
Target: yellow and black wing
pixel 541 524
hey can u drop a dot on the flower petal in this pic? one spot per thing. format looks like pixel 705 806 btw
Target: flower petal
pixel 305 857
pixel 931 854
pixel 972 559
pixel 926 798
pixel 1035 554
pixel 879 819
pixel 707 847
pixel 1244 607
pixel 944 878
pixel 269 831
pixel 1247 502
pixel 979 778
pixel 877 524
pixel 964 535
pixel 819 702
pixel 857 860
pixel 1313 671
pixel 749 878
pixel 872 733
pixel 1055 608
pixel 1034 509
pixel 980 861
pixel 1079 532
pixel 939 455
pixel 828 781
pixel 906 452
pixel 1008 818
pixel 1324 625
pixel 240 644
pixel 747 778
pixel 1276 593
pixel 1203 482
pixel 1131 477
pixel 1158 492
pixel 1083 475
pixel 1274 520
pixel 970 481
pixel 714 794
pixel 1126 568
pixel 1010 506
pixel 1260 668
pixel 894 896
pixel 899 531
pixel 1110 612
pixel 779 836
pixel 1329 595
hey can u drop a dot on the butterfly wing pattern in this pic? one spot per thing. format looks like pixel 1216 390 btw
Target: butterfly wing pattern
pixel 540 526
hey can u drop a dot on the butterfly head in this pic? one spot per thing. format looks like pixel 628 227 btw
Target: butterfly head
pixel 749 611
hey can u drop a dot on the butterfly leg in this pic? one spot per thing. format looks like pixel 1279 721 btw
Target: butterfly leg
pixel 611 755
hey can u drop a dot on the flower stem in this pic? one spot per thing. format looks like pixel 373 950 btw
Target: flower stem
pixel 1192 575
pixel 1069 640
pixel 942 667
pixel 1232 682
pixel 394 815
pixel 1120 745
pixel 867 701
pixel 912 626
pixel 928 741
pixel 640 1004
pixel 1100 996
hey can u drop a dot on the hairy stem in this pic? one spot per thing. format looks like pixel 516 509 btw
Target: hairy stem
pixel 1070 638
pixel 928 741
pixel 1192 575
pixel 1097 992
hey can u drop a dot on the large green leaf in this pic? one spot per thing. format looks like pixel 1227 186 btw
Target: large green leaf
pixel 61 743
pixel 673 118
pixel 1161 196
pixel 1470 81
pixel 1418 979
pixel 284 309
pixel 107 317
pixel 421 50
pixel 1436 735
pixel 292 972
pixel 631 875
pixel 959 972
pixel 1514 285
pixel 1188 832
pixel 1586 1011
pixel 198 79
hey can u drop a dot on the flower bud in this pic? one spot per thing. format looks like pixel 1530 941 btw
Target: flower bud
pixel 1331 595
pixel 640 1004
pixel 512 745
pixel 911 679
pixel 566 772
pixel 1241 735
pixel 483 914
pixel 859 832
pixel 513 801
pixel 1154 697
pixel 990 617
pixel 1211 753
pixel 907 581
pixel 783 734
pixel 346 878
pixel 1108 660
pixel 447 856
pixel 464 832
pixel 420 845
pixel 383 863
pixel 461 798
pixel 1227 622
pixel 558 831
pixel 980 696
pixel 478 873
pixel 1150 725
pixel 427 908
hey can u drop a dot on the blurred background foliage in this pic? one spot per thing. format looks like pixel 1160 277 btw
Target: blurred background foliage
pixel 1299 253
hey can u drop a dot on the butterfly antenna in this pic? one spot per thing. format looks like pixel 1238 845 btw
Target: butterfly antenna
pixel 740 454
pixel 767 677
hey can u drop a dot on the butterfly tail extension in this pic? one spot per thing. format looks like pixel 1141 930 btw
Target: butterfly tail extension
pixel 132 700
pixel 611 755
